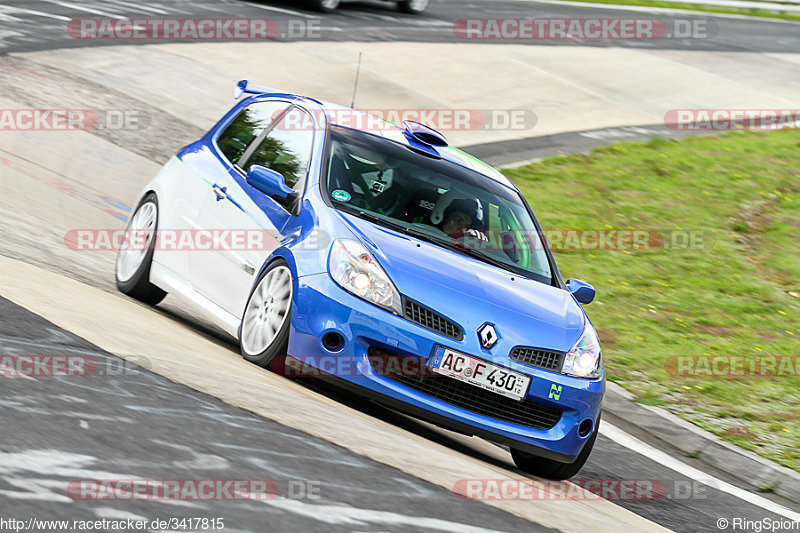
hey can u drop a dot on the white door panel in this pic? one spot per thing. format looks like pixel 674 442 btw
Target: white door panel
pixel 226 273
pixel 180 194
pixel 275 138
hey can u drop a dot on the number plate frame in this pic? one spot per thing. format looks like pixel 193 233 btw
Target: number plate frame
pixel 487 373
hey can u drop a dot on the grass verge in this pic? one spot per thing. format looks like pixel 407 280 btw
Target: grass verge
pixel 734 290
pixel 751 12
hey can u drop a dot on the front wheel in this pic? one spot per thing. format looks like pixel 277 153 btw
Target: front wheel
pixel 550 469
pixel 414 7
pixel 135 254
pixel 264 332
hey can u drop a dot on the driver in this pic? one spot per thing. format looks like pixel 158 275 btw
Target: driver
pixel 461 220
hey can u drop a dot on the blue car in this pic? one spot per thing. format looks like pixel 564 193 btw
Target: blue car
pixel 385 260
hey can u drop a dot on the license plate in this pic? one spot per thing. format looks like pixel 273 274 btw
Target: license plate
pixel 480 373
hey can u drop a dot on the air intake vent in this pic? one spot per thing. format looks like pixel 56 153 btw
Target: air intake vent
pixel 539 358
pixel 431 320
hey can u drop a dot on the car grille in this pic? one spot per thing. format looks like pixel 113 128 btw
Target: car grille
pixel 523 412
pixel 539 358
pixel 430 320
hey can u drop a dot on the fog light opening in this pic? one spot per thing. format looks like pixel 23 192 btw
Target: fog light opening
pixel 585 428
pixel 332 341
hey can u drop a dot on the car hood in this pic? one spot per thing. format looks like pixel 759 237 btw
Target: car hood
pixel 471 292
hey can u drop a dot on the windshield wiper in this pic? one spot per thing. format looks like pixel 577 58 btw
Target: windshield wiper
pixel 372 217
pixel 466 250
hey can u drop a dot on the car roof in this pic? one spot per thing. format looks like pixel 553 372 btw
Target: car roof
pixel 389 130
pixel 348 117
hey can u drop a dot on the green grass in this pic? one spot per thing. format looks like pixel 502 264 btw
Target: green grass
pixel 752 12
pixel 737 294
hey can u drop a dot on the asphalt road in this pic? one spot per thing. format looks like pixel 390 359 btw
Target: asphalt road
pixel 142 425
pixel 42 24
pixel 125 423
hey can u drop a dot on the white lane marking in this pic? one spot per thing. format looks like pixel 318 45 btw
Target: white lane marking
pixel 520 163
pixel 433 22
pixel 16 466
pixel 14 9
pixel 280 10
pixel 632 443
pixel 343 514
pixel 116 514
pixel 664 10
pixel 79 7
pixel 9 18
pixel 138 6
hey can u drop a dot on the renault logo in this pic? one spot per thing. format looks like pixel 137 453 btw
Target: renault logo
pixel 487 335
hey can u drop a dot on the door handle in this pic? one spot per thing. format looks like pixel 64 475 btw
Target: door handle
pixel 220 192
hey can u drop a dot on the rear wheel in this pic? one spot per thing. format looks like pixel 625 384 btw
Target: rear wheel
pixel 550 469
pixel 265 325
pixel 135 254
pixel 326 6
pixel 415 7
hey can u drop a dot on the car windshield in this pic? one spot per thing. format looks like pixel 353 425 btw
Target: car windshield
pixel 434 200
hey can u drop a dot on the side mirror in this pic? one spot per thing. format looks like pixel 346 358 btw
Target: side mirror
pixel 268 181
pixel 582 291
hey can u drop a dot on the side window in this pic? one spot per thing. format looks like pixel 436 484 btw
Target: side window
pixel 287 148
pixel 244 129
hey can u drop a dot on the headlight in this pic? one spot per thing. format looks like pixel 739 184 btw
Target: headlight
pixel 583 360
pixel 354 268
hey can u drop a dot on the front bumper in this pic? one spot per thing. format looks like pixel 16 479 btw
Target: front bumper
pixel 320 306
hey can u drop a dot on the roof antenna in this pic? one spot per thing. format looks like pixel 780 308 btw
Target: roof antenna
pixel 355 86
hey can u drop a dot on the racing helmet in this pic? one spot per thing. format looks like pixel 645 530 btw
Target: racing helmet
pixel 454 201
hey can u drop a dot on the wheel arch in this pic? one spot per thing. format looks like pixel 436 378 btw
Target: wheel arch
pixel 279 253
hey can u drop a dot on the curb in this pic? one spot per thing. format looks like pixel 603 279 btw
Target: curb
pixel 515 152
pixel 684 438
pixel 790 7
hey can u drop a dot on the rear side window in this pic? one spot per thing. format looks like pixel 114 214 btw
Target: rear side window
pixel 244 129
pixel 287 148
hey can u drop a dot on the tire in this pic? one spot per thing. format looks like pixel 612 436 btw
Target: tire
pixel 264 332
pixel 132 269
pixel 325 6
pixel 413 7
pixel 550 469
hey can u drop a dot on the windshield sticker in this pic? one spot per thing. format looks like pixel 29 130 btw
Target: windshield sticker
pixel 340 195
